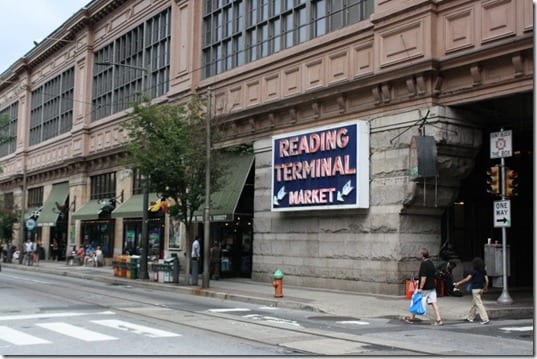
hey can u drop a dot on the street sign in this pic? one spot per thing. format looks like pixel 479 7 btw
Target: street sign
pixel 501 144
pixel 30 224
pixel 502 213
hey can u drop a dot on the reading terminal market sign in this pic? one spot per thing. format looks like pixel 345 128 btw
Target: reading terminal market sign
pixel 322 168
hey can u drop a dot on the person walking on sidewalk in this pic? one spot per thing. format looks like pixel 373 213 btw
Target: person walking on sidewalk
pixel 479 282
pixel 426 287
pixel 195 256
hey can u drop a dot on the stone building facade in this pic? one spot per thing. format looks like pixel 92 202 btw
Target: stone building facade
pixel 454 70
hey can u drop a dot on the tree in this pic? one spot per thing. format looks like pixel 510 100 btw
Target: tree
pixel 167 145
pixel 7 216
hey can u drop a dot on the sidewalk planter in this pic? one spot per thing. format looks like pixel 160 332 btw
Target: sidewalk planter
pixel 119 264
pixel 123 260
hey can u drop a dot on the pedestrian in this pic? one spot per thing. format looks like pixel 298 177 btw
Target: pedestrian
pixel 426 287
pixel 479 281
pixel 214 256
pixel 195 256
pixel 444 271
pixel 55 249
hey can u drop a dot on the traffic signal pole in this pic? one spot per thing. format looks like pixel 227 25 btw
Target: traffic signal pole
pixel 504 298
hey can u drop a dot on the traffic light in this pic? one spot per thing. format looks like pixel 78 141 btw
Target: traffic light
pixel 493 180
pixel 511 182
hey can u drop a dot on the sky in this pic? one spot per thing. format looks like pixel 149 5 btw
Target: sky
pixel 23 21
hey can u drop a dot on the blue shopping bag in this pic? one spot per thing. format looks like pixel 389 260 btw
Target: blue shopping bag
pixel 416 305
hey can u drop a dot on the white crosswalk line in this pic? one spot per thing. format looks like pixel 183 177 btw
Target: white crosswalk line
pixel 135 328
pixel 75 332
pixel 518 329
pixel 17 337
pixel 50 315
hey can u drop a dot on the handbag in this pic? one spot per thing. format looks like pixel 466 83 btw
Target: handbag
pixel 416 305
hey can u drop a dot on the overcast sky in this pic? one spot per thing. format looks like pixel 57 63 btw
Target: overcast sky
pixel 23 21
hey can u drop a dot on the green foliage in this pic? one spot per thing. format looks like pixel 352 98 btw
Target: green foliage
pixel 7 220
pixel 168 145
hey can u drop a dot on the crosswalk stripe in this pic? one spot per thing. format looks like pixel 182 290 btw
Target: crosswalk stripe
pixel 17 337
pixel 50 315
pixel 76 332
pixel 138 329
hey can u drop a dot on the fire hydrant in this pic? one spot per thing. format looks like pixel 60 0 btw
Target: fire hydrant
pixel 277 283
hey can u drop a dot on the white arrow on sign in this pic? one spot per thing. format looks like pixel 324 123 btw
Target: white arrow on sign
pixel 502 213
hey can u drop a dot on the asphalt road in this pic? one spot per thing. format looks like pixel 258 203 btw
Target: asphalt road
pixel 47 314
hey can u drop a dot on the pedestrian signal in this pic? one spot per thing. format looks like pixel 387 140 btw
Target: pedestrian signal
pixel 493 180
pixel 511 182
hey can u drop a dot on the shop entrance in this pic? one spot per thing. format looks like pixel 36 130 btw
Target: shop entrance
pixel 468 223
pixel 99 233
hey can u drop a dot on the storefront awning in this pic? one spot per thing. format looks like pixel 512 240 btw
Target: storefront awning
pixel 132 208
pixel 89 211
pixel 49 213
pixel 224 201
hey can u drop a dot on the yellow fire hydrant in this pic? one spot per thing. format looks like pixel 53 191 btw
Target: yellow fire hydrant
pixel 277 283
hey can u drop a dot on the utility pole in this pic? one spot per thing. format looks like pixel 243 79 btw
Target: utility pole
pixel 23 210
pixel 206 214
pixel 145 245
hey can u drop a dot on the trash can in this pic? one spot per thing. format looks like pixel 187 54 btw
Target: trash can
pixel 175 268
pixel 133 267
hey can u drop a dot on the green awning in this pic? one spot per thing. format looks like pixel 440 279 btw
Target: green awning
pixel 89 211
pixel 49 213
pixel 224 201
pixel 132 208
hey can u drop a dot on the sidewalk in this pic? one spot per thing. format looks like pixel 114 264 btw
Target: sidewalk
pixel 330 302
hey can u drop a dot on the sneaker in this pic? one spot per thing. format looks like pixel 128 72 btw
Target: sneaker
pixel 469 320
pixel 485 322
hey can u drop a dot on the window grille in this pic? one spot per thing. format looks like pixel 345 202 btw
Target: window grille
pixel 241 31
pixel 35 197
pixel 51 110
pixel 10 129
pixel 117 86
pixel 103 186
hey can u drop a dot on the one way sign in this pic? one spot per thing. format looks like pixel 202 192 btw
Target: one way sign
pixel 502 213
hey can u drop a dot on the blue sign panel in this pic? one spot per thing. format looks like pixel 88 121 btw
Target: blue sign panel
pixel 324 168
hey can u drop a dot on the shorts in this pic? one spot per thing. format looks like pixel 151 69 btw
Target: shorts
pixel 428 296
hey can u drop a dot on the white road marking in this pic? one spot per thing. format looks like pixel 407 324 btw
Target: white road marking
pixel 135 328
pixel 272 319
pixel 75 332
pixel 269 308
pixel 357 322
pixel 50 315
pixel 518 329
pixel 26 279
pixel 224 310
pixel 17 337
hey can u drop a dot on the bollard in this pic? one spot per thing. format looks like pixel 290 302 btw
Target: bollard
pixel 277 283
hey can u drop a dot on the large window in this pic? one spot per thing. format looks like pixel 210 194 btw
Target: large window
pixel 10 129
pixel 119 78
pixel 35 197
pixel 241 31
pixel 103 186
pixel 51 112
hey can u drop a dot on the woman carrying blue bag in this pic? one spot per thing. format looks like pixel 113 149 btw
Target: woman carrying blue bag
pixel 426 289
